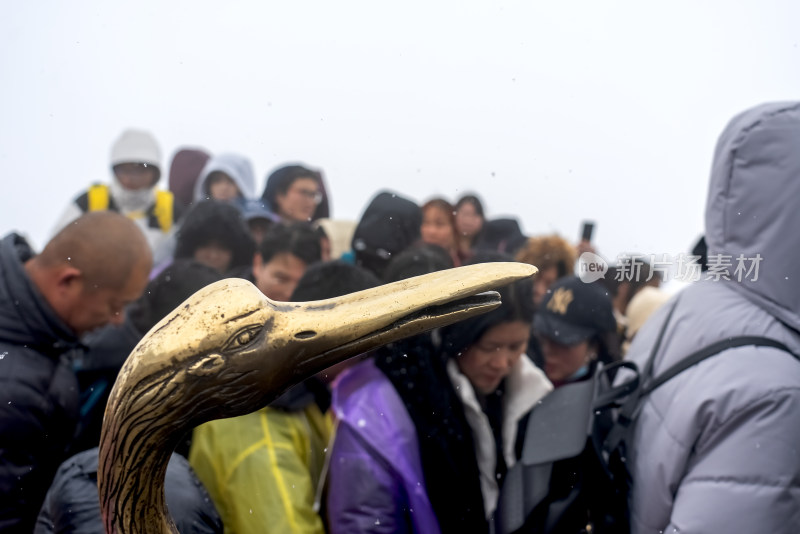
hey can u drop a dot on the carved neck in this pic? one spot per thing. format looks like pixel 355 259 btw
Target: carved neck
pixel 132 487
pixel 140 432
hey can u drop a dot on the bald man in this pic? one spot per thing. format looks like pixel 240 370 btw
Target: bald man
pixel 82 280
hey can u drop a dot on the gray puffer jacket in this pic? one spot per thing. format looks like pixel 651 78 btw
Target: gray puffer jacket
pixel 717 448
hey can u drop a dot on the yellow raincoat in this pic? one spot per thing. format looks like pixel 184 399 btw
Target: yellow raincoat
pixel 262 469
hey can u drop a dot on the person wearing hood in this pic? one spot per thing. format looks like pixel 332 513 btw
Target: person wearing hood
pixel 227 178
pixel 390 224
pixel 715 449
pixel 184 171
pixel 427 432
pixel 135 172
pixel 501 235
pixel 82 280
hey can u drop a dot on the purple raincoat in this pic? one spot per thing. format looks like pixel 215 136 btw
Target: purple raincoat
pixel 376 480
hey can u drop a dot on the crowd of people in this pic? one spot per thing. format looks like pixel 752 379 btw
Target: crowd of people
pixel 417 436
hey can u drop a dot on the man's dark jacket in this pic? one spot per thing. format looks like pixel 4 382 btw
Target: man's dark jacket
pixel 38 390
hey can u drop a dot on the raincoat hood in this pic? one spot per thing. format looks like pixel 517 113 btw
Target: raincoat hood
pixel 237 167
pixel 752 210
pixel 136 146
pixel 184 171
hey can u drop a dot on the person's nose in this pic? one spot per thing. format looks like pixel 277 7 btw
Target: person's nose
pixel 501 360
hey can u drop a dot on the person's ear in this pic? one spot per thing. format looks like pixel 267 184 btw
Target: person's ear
pixel 69 278
pixel 258 262
pixel 66 288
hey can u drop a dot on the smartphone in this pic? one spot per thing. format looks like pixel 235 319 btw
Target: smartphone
pixel 586 232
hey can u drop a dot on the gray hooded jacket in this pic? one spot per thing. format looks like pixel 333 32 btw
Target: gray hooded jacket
pixel 717 448
pixel 237 167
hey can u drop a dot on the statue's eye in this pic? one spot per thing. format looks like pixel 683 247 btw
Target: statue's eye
pixel 245 337
pixel 242 338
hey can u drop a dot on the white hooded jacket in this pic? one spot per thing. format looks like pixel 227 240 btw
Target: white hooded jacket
pixel 133 146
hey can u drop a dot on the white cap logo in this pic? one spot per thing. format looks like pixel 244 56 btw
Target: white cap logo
pixel 591 267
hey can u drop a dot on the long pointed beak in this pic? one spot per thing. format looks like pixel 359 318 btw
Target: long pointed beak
pixel 229 335
pixel 320 334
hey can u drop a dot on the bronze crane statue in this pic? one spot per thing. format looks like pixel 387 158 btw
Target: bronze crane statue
pixel 228 351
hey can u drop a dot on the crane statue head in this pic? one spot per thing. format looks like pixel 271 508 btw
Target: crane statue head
pixel 228 351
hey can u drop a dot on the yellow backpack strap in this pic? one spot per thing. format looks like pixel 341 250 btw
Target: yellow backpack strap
pixel 164 209
pixel 98 198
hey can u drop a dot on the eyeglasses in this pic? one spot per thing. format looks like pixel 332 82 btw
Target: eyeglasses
pixel 310 194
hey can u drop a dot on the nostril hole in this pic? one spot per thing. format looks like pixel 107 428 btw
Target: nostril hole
pixel 305 334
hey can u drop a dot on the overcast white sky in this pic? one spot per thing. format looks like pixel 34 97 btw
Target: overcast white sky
pixel 553 112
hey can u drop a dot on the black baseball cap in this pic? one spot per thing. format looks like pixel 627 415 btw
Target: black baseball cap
pixel 573 311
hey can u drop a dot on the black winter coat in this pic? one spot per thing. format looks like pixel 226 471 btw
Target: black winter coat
pixel 38 390
pixel 73 505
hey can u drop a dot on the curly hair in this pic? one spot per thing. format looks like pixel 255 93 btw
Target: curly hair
pixel 300 239
pixel 211 221
pixel 549 251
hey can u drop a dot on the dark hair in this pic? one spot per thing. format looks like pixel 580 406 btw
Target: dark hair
pixel 419 259
pixel 473 199
pixel 329 279
pixel 608 347
pixel 212 221
pixel 516 305
pixel 219 176
pixel 299 239
pixel 168 290
pixel 281 179
pixel 445 206
pixel 701 249
pixel 633 266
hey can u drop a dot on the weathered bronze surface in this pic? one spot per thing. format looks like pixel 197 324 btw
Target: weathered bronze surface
pixel 228 351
